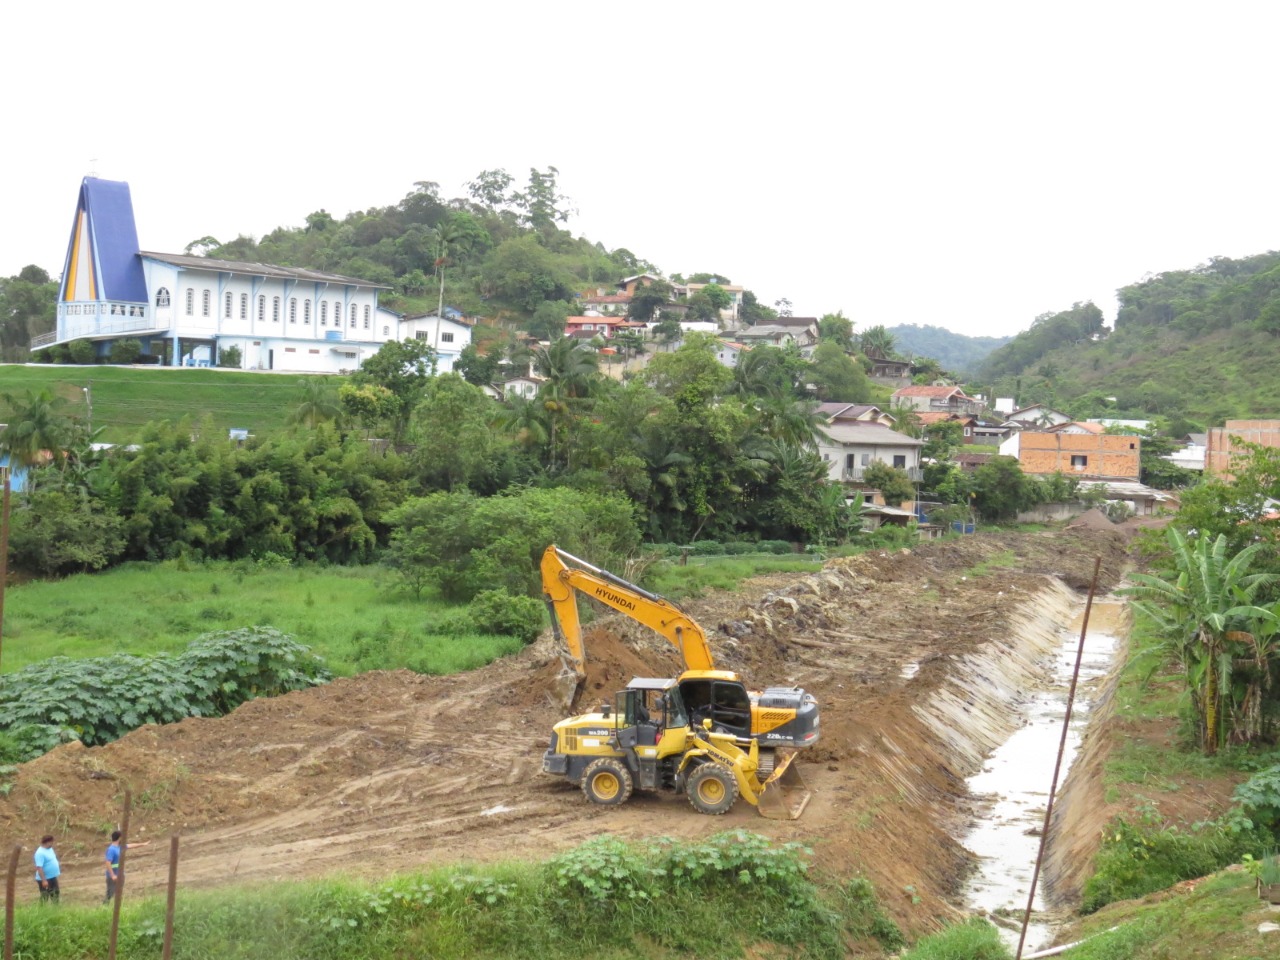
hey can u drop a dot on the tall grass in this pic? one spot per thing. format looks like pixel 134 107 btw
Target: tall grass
pixel 516 910
pixel 353 617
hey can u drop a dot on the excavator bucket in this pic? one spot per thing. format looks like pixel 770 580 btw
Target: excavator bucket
pixel 785 793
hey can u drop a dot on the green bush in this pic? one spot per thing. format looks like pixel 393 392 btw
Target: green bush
pixel 496 611
pixel 780 547
pixel 229 357
pixel 125 351
pixel 706 548
pixel 82 352
pixel 864 919
pixel 1259 796
pixel 1137 859
pixel 100 699
pixel 975 939
pixel 739 549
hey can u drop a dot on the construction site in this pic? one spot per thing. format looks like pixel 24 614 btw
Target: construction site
pixel 923 662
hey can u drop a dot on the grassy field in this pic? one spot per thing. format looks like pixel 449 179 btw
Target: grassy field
pixel 126 398
pixel 354 617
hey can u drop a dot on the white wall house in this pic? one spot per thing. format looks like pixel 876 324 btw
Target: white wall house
pixel 447 336
pixel 853 445
pixel 189 310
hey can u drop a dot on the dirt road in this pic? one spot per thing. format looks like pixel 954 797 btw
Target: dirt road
pixel 395 771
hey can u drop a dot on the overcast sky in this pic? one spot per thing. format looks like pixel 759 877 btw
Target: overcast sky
pixel 969 165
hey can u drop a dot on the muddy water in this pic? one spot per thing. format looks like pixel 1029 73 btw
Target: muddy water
pixel 1013 785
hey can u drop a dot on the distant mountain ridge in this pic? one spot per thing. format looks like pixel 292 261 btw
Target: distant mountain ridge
pixel 955 351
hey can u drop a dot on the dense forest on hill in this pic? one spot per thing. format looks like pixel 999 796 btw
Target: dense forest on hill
pixel 954 351
pixel 1192 346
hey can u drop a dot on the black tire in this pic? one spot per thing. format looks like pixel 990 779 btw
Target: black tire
pixel 712 789
pixel 607 782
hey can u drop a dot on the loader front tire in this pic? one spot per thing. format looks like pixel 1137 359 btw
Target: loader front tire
pixel 712 789
pixel 607 782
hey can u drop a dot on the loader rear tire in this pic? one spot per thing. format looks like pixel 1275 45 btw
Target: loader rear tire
pixel 607 782
pixel 712 789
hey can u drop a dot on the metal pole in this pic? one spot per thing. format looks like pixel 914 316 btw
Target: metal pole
pixel 167 951
pixel 4 551
pixel 8 901
pixel 115 910
pixel 1057 767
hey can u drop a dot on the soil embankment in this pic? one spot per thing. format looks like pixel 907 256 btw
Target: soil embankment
pixel 393 771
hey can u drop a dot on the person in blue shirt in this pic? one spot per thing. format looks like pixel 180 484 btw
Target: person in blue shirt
pixel 47 869
pixel 112 860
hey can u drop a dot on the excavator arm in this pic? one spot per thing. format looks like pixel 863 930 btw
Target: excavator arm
pixel 564 576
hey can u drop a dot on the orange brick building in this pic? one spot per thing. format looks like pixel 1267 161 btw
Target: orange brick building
pixel 1079 454
pixel 1225 442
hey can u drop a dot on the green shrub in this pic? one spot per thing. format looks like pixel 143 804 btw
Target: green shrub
pixel 706 548
pixel 780 547
pixel 865 920
pixel 229 357
pixel 1137 859
pixel 738 549
pixel 125 351
pixel 975 939
pixel 496 611
pixel 82 351
pixel 1259 796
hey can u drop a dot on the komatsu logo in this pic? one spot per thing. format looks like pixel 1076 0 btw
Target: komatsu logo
pixel 615 598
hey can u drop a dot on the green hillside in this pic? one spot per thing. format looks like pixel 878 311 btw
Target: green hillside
pixel 1193 346
pixel 126 398
pixel 954 351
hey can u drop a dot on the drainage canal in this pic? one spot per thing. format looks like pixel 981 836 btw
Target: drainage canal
pixel 1012 787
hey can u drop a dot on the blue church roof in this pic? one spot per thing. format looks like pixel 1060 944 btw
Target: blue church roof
pixel 102 256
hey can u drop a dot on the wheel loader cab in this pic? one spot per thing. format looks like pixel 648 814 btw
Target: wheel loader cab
pixel 724 702
pixel 651 714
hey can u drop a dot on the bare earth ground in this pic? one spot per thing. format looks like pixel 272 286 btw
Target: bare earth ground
pixel 390 772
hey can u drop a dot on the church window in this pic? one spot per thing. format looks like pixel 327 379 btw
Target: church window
pixel 162 297
pixel 386 331
pixel 353 315
pixel 366 316
pixel 446 338
pixel 191 302
pixel 226 307
pixel 324 313
pixel 293 309
pixel 205 302
pixel 275 309
pixel 244 306
pixel 262 307
pixel 306 311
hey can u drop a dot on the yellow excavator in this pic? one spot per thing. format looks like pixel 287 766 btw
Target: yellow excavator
pixel 661 732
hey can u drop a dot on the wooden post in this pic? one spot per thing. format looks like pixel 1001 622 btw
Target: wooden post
pixel 115 909
pixel 4 551
pixel 9 893
pixel 167 951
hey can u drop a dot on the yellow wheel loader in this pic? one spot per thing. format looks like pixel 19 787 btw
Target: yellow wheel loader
pixel 644 741
pixel 778 717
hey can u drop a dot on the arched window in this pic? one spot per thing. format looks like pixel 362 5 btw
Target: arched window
pixel 324 313
pixel 191 302
pixel 386 331
pixel 162 297
pixel 275 309
pixel 206 300
pixel 244 306
pixel 353 316
pixel 366 316
pixel 293 309
pixel 226 307
pixel 262 307
pixel 306 311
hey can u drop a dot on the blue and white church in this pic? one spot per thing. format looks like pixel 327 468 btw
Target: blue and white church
pixel 188 310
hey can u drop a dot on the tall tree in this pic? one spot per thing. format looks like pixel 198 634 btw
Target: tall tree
pixel 37 428
pixel 318 404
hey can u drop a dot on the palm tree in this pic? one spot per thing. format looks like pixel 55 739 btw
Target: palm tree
pixel 791 421
pixel 1200 609
pixel 569 364
pixel 36 428
pixel 877 342
pixel 319 404
pixel 449 237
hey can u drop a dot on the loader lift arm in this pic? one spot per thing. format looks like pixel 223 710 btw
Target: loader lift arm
pixel 564 576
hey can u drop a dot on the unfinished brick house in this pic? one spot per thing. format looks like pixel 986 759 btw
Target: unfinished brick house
pixel 1225 442
pixel 1083 454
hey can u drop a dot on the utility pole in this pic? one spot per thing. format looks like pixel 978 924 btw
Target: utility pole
pixel 88 400
pixel 4 551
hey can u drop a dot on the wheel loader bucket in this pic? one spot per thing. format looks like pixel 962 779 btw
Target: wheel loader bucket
pixel 785 793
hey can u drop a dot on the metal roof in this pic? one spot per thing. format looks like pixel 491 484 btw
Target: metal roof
pixel 257 269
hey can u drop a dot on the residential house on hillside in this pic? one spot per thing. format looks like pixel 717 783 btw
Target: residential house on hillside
pixel 729 314
pixel 1082 453
pixel 599 326
pixel 189 310
pixel 890 373
pixel 629 285
pixel 949 399
pixel 608 304
pixel 1192 454
pixel 851 446
pixel 774 334
pixel 1225 443
pixel 730 353
pixel 447 336
pixel 865 412
pixel 1037 416
pixel 526 386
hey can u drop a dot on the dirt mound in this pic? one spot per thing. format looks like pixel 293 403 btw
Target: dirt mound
pixel 429 770
pixel 1093 519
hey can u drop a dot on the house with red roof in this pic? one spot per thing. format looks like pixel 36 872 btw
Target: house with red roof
pixel 945 398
